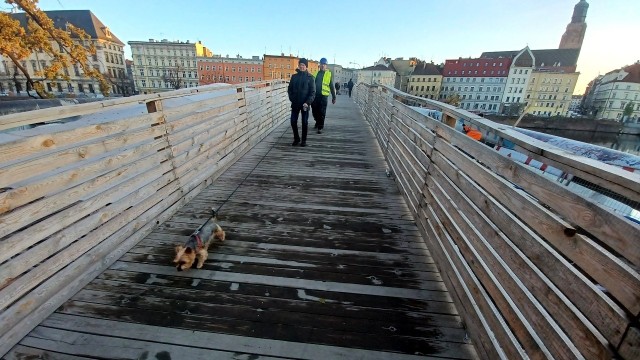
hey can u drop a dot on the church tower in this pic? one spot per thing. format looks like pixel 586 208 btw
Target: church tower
pixel 574 35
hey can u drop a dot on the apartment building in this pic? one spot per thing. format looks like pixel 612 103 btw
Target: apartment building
pixel 228 70
pixel 109 59
pixel 163 65
pixel 479 82
pixel 425 81
pixel 616 91
pixel 378 74
pixel 550 83
pixel 403 69
pixel 279 67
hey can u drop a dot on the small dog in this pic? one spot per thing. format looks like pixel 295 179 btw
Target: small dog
pixel 195 248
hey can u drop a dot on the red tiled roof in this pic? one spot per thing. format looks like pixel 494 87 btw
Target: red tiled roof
pixel 634 73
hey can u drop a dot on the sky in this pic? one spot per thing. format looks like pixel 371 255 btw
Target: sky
pixel 357 33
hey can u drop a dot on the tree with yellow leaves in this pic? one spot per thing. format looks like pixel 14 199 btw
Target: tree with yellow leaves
pixel 453 99
pixel 67 48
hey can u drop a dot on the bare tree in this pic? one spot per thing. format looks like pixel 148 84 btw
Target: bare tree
pixel 174 76
pixel 121 82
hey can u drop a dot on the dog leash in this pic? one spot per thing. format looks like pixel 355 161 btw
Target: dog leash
pixel 214 212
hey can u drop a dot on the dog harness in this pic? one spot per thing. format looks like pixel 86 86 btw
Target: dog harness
pixel 198 240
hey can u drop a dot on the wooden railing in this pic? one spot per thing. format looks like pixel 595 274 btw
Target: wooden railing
pixel 75 196
pixel 536 270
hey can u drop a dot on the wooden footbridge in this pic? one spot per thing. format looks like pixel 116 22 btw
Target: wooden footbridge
pixel 391 236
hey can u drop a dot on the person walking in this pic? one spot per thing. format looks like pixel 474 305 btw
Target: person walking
pixel 350 86
pixel 337 88
pixel 324 80
pixel 302 91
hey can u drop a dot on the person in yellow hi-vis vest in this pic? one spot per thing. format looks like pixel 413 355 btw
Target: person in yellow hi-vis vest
pixel 324 82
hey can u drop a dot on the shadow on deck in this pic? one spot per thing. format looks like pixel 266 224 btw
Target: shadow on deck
pixel 323 260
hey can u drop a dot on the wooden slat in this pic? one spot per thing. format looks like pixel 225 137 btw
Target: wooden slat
pixel 619 180
pixel 527 283
pixel 414 169
pixel 56 182
pixel 95 346
pixel 18 287
pixel 20 217
pixel 608 317
pixel 10 271
pixel 629 348
pixel 20 352
pixel 591 257
pixel 410 149
pixel 483 319
pixel 28 146
pixel 44 115
pixel 608 227
pixel 216 114
pixel 66 282
pixel 221 342
pixel 499 293
pixel 56 163
pixel 176 113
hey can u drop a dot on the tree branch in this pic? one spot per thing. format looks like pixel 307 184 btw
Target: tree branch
pixel 25 72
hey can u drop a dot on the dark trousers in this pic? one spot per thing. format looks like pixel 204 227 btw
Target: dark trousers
pixel 319 110
pixel 349 92
pixel 294 124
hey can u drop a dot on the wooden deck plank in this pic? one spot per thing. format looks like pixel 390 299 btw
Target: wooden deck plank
pixel 322 261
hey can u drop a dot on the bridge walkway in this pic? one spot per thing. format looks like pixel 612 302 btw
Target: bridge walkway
pixel 322 261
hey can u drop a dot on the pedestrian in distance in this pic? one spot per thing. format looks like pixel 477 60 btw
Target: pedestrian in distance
pixel 324 81
pixel 302 91
pixel 350 86
pixel 337 88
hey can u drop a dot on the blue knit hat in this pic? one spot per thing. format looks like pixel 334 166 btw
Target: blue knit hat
pixel 323 61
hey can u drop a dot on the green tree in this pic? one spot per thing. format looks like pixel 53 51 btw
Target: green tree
pixel 628 110
pixel 65 47
pixel 513 109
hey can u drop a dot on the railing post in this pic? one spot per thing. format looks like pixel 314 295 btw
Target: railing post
pixel 156 106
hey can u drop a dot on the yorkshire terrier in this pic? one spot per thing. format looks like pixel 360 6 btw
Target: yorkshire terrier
pixel 195 247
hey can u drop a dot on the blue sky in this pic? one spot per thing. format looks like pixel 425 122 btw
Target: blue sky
pixel 362 31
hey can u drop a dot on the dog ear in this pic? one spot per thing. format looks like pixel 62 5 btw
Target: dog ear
pixel 179 252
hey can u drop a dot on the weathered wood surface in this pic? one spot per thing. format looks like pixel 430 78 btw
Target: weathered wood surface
pixel 537 271
pixel 322 261
pixel 74 197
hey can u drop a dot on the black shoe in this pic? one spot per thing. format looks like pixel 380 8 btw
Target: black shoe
pixel 319 131
pixel 295 142
pixel 303 144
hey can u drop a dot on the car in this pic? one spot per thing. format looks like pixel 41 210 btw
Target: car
pixel 3 94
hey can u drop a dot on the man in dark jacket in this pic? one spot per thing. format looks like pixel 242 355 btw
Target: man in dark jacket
pixel 302 91
pixel 350 86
